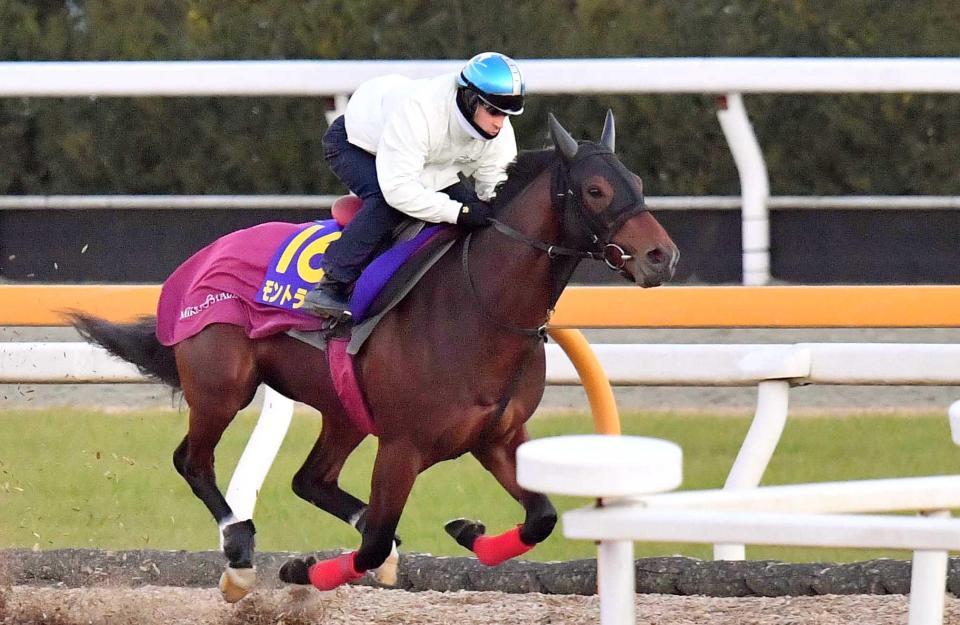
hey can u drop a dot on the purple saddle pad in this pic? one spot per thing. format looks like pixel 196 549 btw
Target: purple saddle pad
pixel 379 272
pixel 296 263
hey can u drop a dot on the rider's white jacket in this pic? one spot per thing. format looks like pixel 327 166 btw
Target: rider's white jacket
pixel 421 141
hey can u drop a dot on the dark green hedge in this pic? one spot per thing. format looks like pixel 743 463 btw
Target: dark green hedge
pixel 877 144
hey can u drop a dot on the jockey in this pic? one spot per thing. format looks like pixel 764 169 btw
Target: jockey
pixel 400 147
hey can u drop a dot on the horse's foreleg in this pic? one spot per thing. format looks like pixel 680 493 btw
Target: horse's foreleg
pixel 394 473
pixel 317 482
pixel 500 458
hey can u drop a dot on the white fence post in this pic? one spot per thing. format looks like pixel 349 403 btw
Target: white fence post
pixel 768 422
pixel 774 368
pixel 754 188
pixel 928 581
pixel 616 582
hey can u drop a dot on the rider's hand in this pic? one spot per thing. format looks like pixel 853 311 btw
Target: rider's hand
pixel 474 214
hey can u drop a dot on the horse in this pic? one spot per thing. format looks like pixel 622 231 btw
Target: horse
pixel 471 333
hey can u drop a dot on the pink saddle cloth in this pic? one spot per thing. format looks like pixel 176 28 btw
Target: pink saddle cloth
pixel 219 284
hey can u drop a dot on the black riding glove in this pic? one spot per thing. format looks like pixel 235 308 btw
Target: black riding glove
pixel 474 214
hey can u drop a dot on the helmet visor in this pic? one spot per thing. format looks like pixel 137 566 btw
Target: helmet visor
pixel 509 104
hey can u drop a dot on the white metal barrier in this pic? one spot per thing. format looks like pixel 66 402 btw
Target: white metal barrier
pixel 741 512
pixel 622 472
pixel 728 77
pixel 734 364
pixel 319 202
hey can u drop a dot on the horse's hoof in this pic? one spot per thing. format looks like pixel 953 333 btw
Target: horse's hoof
pixel 465 532
pixel 386 573
pixel 238 543
pixel 235 584
pixel 297 571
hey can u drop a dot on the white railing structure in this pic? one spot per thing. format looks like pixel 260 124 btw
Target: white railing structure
pixel 314 202
pixel 772 368
pixel 624 473
pixel 725 77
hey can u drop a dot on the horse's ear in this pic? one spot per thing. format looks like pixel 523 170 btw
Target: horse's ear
pixel 566 144
pixel 609 135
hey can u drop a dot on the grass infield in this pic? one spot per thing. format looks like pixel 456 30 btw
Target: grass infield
pixel 95 480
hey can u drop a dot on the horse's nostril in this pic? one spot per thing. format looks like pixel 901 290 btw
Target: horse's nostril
pixel 656 256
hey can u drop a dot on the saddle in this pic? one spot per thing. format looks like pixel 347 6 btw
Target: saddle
pixel 415 246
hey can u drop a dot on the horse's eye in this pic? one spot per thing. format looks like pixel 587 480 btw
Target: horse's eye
pixel 595 192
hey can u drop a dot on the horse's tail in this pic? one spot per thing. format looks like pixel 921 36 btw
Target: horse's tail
pixel 134 342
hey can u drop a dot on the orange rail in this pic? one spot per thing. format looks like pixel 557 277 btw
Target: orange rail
pixel 42 305
pixel 762 306
pixel 592 307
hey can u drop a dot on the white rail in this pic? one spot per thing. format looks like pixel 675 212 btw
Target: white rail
pixel 718 75
pixel 729 77
pixel 163 202
pixel 606 468
pixel 741 512
pixel 924 364
pixel 657 203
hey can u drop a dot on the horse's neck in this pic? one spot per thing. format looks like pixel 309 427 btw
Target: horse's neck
pixel 522 280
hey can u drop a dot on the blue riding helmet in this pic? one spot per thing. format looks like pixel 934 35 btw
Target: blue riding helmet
pixel 496 79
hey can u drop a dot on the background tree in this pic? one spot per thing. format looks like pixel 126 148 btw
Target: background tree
pixel 822 144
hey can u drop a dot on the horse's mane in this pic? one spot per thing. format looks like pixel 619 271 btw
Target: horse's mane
pixel 521 172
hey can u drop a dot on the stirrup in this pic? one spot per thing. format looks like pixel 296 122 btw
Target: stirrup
pixel 335 315
pixel 332 308
pixel 333 321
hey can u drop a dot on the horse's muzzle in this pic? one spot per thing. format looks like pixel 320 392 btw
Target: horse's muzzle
pixel 656 266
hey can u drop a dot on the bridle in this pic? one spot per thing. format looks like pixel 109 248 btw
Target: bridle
pixel 591 232
pixel 601 226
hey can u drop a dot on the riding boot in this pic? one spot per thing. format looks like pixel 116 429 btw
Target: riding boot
pixel 328 299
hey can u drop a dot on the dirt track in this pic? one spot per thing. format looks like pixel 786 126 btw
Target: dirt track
pixel 70 587
pixel 155 605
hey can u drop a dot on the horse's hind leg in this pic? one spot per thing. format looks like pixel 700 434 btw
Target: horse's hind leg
pixel 394 473
pixel 218 376
pixel 500 458
pixel 317 480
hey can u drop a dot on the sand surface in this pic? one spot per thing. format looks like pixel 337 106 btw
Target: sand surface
pixel 159 605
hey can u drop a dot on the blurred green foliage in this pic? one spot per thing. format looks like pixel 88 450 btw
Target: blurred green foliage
pixel 816 144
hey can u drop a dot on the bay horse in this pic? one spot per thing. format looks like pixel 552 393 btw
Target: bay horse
pixel 472 371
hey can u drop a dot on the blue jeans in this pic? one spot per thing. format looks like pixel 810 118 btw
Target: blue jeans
pixel 368 233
